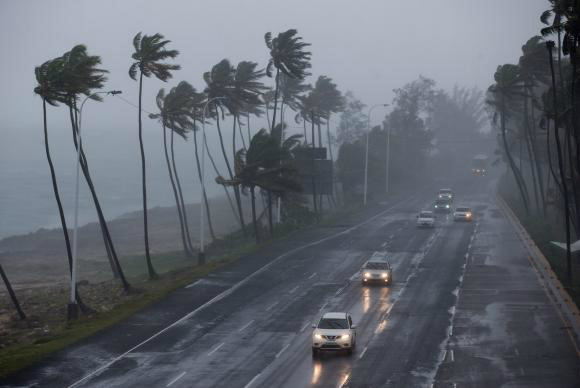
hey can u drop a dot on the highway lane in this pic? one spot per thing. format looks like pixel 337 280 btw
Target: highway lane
pixel 465 309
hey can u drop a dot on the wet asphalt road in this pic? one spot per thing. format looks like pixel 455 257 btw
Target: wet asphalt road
pixel 465 310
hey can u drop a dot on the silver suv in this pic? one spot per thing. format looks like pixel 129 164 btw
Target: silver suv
pixel 334 331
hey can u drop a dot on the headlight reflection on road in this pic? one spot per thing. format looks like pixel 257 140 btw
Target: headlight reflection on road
pixel 316 373
pixel 381 326
pixel 366 300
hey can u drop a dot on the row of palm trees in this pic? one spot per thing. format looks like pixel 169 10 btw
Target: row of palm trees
pixel 262 161
pixel 537 111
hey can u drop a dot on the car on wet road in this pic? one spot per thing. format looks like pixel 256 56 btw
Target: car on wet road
pixel 442 206
pixel 377 270
pixel 334 331
pixel 426 219
pixel 463 213
pixel 445 194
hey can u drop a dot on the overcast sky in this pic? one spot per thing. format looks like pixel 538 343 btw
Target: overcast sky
pixel 367 46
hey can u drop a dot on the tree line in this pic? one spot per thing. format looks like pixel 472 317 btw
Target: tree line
pixel 237 92
pixel 536 111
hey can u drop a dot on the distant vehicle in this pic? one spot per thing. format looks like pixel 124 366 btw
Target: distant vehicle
pixel 479 165
pixel 377 270
pixel 463 214
pixel 445 194
pixel 334 331
pixel 426 219
pixel 442 206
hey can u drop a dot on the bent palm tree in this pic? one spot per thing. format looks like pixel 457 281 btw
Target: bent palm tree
pixel 12 294
pixel 287 55
pixel 176 114
pixel 259 167
pixel 79 75
pixel 149 53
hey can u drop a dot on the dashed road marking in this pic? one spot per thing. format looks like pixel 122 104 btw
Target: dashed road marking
pixel 272 305
pixel 452 355
pixel 311 276
pixel 304 327
pixel 293 290
pixel 193 284
pixel 216 348
pixel 281 351
pixel 252 380
pixel 363 352
pixel 246 325
pixel 175 379
pixel 323 306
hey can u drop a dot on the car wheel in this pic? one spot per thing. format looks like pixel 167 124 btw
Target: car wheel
pixel 349 351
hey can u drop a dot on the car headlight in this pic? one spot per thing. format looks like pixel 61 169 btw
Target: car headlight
pixel 317 336
pixel 345 337
pixel 468 215
pixel 447 206
pixel 385 275
pixel 367 275
pixel 436 206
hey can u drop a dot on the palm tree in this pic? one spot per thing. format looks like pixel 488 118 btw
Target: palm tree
pixel 504 92
pixel 12 294
pixel 287 55
pixel 290 91
pixel 550 47
pixel 176 114
pixel 79 75
pixel 149 53
pixel 260 166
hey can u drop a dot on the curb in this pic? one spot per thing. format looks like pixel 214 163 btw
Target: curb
pixel 564 304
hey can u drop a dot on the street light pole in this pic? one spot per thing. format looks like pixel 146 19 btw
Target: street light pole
pixel 367 151
pixel 201 257
pixel 73 308
pixel 388 159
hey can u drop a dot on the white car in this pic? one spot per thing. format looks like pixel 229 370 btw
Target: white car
pixel 377 270
pixel 462 214
pixel 426 219
pixel 445 194
pixel 334 331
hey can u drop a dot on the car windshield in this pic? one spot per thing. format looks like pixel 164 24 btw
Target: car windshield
pixel 333 323
pixel 444 191
pixel 376 265
pixel 462 209
pixel 426 215
pixel 442 203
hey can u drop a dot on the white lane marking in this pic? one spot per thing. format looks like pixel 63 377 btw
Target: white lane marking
pixel 522 371
pixel 294 289
pixel 281 351
pixel 466 256
pixel 246 325
pixel 339 291
pixel 232 289
pixel 175 379
pixel 252 380
pixel 451 331
pixel 216 348
pixel 193 284
pixel 363 352
pixel 272 305
pixel 517 352
pixel 304 327
pixel 452 355
pixel 444 355
pixel 469 246
pixel 311 276
pixel 323 306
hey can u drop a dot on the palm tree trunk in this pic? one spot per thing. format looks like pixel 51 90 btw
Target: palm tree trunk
pixel 538 166
pixel 533 160
pixel 314 200
pixel 207 210
pixel 254 220
pixel 241 133
pixel 237 188
pixel 82 306
pixel 249 133
pixel 561 167
pixel 150 269
pixel 236 193
pixel 275 100
pixel 102 222
pixel 550 164
pixel 305 135
pixel 180 193
pixel 12 294
pixel 512 164
pixel 218 174
pixel 186 249
pixel 270 217
pixel 331 157
pixel 319 146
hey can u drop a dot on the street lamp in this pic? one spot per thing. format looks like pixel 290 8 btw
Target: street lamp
pixel 201 257
pixel 72 308
pixel 367 151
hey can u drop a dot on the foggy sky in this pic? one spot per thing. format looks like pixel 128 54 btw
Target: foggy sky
pixel 368 47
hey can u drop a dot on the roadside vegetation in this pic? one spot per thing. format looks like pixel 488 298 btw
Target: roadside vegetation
pixel 535 111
